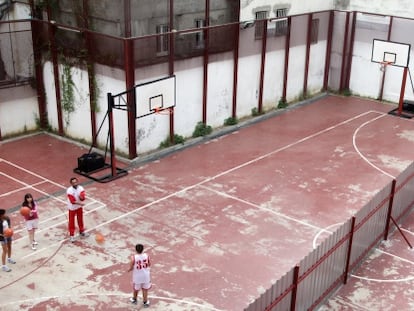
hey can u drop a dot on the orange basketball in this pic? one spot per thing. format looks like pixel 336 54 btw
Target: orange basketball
pixel 8 232
pixel 25 211
pixel 99 238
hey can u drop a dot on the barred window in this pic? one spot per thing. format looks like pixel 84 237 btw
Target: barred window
pixel 281 24
pixel 259 28
pixel 314 31
pixel 162 41
pixel 200 23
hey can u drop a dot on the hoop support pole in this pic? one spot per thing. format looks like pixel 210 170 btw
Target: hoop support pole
pixel 402 92
pixel 111 135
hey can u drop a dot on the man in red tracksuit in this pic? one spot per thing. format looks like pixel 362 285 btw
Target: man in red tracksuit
pixel 76 196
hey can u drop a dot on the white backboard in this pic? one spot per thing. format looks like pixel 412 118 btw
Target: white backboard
pixel 396 53
pixel 152 95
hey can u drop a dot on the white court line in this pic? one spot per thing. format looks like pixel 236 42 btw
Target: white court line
pixel 408 231
pixel 315 238
pixel 40 177
pixel 360 153
pixel 36 189
pixel 21 188
pixel 27 186
pixel 387 280
pixel 394 256
pixel 86 212
pixel 265 209
pixel 46 298
pixel 31 173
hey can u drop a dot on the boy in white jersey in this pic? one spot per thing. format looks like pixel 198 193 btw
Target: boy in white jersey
pixel 141 279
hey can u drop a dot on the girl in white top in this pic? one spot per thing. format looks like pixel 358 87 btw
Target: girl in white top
pixel 141 277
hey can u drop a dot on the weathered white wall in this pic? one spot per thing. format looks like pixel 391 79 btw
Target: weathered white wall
pixel 274 69
pixel 189 110
pixel 19 111
pixel 50 94
pixel 220 88
pixel 111 80
pixel 78 123
pixel 248 72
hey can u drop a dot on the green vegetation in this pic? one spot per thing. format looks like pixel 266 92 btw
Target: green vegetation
pixel 202 129
pixel 346 92
pixel 282 104
pixel 68 96
pixel 231 121
pixel 178 139
pixel 255 112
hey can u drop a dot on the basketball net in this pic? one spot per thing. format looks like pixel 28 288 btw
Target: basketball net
pixel 384 66
pixel 166 111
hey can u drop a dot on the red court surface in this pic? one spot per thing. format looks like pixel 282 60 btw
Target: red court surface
pixel 221 220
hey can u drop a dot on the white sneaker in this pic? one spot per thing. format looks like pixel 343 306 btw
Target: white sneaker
pixel 84 234
pixel 133 300
pixel 33 247
pixel 6 269
pixel 72 239
pixel 35 243
pixel 9 260
pixel 146 304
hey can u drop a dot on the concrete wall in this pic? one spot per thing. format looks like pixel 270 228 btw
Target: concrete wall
pixel 18 110
pixel 249 7
pixel 402 8
pixel 18 103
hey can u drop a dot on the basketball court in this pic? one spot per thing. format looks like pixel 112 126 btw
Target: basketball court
pixel 221 220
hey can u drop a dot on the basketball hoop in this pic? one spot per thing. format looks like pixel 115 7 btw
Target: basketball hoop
pixel 384 65
pixel 167 111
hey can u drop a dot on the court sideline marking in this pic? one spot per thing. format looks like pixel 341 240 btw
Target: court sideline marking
pixel 45 298
pixel 360 153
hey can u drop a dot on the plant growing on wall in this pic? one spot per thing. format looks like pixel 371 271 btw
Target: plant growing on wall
pixel 282 103
pixel 97 92
pixel 178 139
pixel 202 129
pixel 231 121
pixel 68 96
pixel 255 112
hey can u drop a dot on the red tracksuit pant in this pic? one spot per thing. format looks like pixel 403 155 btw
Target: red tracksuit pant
pixel 78 213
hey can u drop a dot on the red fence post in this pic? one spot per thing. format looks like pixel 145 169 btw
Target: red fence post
pixel 387 223
pixel 402 92
pixel 348 256
pixel 295 288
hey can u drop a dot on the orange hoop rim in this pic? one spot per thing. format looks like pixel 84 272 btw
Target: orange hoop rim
pixel 166 111
pixel 384 65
